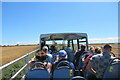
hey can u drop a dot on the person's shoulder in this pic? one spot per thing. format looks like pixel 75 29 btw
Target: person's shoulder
pixel 49 64
pixel 112 57
pixel 55 63
pixel 50 55
pixel 97 55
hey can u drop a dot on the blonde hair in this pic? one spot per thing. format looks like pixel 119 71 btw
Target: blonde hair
pixel 92 49
pixel 98 50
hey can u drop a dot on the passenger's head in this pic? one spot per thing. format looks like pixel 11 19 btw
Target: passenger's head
pixel 47 46
pixel 107 48
pixel 82 47
pixel 40 56
pixel 45 49
pixel 98 50
pixel 62 54
pixel 92 49
pixel 53 48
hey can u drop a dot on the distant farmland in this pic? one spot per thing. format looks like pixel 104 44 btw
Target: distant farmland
pixel 11 53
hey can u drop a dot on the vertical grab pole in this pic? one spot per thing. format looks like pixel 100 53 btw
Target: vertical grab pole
pixel 78 44
pixel 68 43
pixel 87 43
pixel 73 45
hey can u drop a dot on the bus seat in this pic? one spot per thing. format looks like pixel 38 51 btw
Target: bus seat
pixel 112 71
pixel 78 78
pixel 38 72
pixel 63 72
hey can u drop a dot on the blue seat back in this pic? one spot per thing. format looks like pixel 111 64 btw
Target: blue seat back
pixel 38 74
pixel 38 71
pixel 112 71
pixel 64 72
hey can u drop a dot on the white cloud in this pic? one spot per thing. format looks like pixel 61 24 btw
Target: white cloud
pixel 98 40
pixel 105 40
pixel 22 43
pixel 28 43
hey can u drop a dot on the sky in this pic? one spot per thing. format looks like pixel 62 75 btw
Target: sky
pixel 23 22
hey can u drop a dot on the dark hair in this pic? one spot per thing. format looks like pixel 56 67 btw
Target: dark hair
pixel 107 46
pixel 52 48
pixel 40 55
pixel 82 47
pixel 41 58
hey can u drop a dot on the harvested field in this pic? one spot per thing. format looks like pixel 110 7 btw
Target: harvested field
pixel 11 53
pixel 113 45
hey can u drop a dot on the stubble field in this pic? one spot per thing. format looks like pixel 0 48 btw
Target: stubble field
pixel 11 53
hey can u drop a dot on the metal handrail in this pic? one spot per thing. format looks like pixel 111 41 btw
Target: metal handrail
pixel 21 69
pixel 18 72
pixel 6 65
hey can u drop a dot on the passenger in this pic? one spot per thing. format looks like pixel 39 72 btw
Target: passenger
pixel 85 60
pixel 62 57
pixel 92 50
pixel 99 62
pixel 85 55
pixel 78 55
pixel 48 47
pixel 41 56
pixel 53 49
pixel 70 53
pixel 98 50
pixel 53 52
pixel 49 56
pixel 68 48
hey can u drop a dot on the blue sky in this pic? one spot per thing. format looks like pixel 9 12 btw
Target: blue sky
pixel 25 21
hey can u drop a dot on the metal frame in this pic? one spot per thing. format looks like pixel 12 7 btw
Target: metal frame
pixel 27 62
